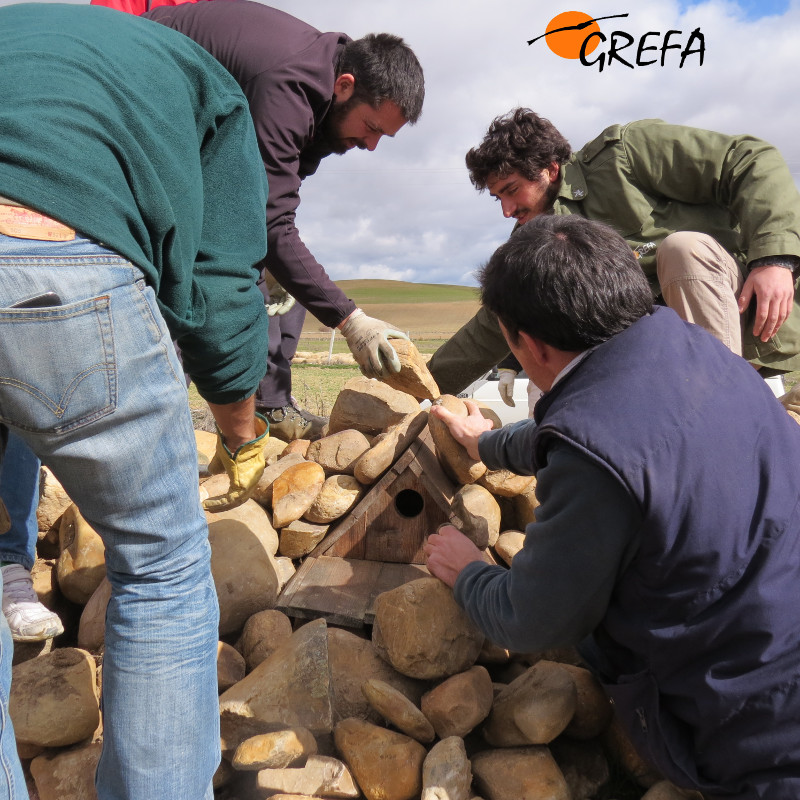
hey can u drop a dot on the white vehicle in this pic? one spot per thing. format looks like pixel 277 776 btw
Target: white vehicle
pixel 484 391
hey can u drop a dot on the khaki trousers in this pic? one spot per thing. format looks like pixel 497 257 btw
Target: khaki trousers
pixel 701 281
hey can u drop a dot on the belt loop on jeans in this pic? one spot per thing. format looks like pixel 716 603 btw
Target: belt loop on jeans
pixel 25 223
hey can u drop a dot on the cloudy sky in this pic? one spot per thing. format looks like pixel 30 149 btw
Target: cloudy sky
pixel 408 211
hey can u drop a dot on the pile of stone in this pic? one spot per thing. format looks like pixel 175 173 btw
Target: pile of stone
pixel 418 707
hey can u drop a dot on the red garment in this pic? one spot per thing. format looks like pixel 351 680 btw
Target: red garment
pixel 138 6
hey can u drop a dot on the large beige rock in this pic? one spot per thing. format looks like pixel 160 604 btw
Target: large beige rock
pixel 593 710
pixel 276 750
pixel 299 537
pixel 53 500
pixel 92 626
pixel 460 703
pixel 243 544
pixel 235 729
pixel 504 483
pixel 67 775
pixel 284 568
pixel 508 544
pixel 82 563
pixel 387 765
pixel 54 699
pixel 525 506
pixel 446 771
pixel 664 790
pixel 583 765
pixel 273 449
pixel 422 632
pixel 397 709
pixel 521 773
pixel 230 666
pixel 263 491
pixel 338 495
pixel 455 460
pixel 292 686
pixel 338 452
pixel 206 443
pixel 414 377
pixel 262 634
pixel 322 776
pixel 354 661
pixel 534 708
pixel 369 406
pixel 294 491
pixel 389 446
pixel 479 514
pixel 298 446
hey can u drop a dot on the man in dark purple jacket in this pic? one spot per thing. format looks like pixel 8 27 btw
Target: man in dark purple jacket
pixel 311 94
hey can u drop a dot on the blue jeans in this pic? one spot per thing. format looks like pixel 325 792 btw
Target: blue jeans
pixel 94 388
pixel 19 489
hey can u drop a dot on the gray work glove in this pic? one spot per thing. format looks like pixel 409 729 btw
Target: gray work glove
pixel 280 301
pixel 505 385
pixel 368 340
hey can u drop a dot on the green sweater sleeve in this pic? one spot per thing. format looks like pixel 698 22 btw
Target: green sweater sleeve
pixel 559 584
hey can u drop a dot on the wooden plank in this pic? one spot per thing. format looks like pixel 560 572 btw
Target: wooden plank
pixel 342 590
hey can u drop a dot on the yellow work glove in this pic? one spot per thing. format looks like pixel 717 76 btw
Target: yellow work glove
pixel 368 340
pixel 244 468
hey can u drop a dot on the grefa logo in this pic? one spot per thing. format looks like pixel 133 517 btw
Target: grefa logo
pixel 575 34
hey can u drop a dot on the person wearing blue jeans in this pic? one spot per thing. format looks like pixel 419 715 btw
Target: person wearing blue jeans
pixel 28 619
pixel 131 214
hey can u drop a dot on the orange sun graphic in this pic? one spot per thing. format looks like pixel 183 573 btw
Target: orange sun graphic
pixel 567 43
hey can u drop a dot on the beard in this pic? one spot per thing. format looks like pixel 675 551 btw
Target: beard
pixel 330 134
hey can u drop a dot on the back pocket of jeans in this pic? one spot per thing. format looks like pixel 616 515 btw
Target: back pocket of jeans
pixel 57 366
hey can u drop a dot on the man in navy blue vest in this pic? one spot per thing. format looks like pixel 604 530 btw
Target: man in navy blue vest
pixel 667 542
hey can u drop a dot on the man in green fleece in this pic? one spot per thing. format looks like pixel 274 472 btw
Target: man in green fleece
pixel 713 219
pixel 132 213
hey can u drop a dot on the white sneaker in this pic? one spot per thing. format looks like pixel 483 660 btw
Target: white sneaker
pixel 28 619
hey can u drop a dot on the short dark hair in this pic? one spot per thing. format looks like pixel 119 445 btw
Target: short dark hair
pixel 385 68
pixel 571 282
pixel 519 141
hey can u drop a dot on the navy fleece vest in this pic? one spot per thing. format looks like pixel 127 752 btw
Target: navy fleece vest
pixel 701 641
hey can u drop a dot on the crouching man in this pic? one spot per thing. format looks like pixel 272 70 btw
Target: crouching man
pixel 667 542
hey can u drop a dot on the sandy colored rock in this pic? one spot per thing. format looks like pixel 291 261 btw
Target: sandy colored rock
pixel 263 491
pixel 277 750
pixel 235 729
pixel 504 483
pixel 521 773
pixel 54 699
pixel 230 666
pixel 460 703
pixel 446 771
pixel 525 506
pixel 353 661
pixel 299 537
pixel 274 448
pixel 67 775
pixel 369 406
pixel 262 634
pixel 338 452
pixel 389 446
pixel 53 500
pixel 593 710
pixel 338 495
pixel 479 514
pixel 492 653
pixel 243 544
pixel 534 708
pixel 398 710
pixel 298 447
pixel 294 491
pixel 583 765
pixel 284 569
pixel 92 626
pixel 414 377
pixel 455 460
pixel 664 790
pixel 387 765
pixel 322 776
pixel 508 544
pixel 206 443
pixel 81 566
pixel 422 632
pixel 292 686
pixel 45 584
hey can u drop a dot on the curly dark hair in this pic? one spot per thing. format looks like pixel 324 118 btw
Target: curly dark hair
pixel 519 141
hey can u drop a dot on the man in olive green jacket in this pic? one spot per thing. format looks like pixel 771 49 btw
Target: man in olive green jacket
pixel 713 219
